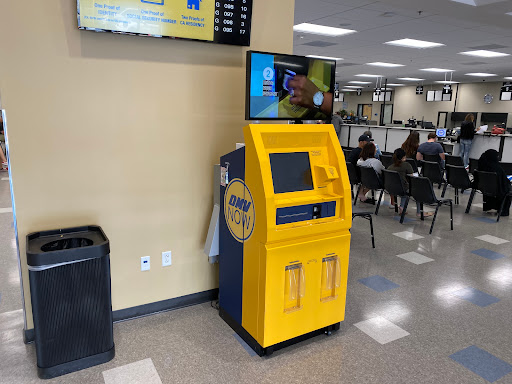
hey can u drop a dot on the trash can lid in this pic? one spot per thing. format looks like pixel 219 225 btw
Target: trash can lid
pixel 66 245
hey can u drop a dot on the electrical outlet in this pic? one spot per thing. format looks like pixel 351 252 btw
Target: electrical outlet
pixel 145 263
pixel 166 259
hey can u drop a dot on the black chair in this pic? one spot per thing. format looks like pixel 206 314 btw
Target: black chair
pixel 371 180
pixel 454 160
pixel 431 158
pixel 394 184
pixel 422 191
pixel 355 179
pixel 473 165
pixel 367 216
pixel 387 160
pixel 413 163
pixel 507 167
pixel 346 152
pixel 487 183
pixel 458 178
pixel 433 171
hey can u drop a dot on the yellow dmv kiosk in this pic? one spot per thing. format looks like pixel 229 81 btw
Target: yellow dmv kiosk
pixel 284 235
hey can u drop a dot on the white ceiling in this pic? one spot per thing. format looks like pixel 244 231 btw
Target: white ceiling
pixel 461 27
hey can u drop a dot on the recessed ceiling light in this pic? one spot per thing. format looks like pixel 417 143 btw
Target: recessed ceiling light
pixel 437 70
pixel 325 57
pixel 413 43
pixel 389 65
pixel 484 53
pixel 347 90
pixel 359 82
pixel 322 30
pixel 447 82
pixel 352 86
pixel 508 13
pixel 409 79
pixel 468 2
pixel 508 78
pixel 481 74
pixel 395 85
pixel 366 75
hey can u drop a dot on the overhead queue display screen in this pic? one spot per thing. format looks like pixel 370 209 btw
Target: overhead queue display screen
pixel 216 21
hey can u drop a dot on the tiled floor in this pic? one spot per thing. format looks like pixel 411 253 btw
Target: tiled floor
pixel 447 318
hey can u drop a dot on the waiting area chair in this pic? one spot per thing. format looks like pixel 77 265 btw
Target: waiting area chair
pixel 431 158
pixel 507 167
pixel 433 171
pixel 367 216
pixel 413 163
pixel 394 185
pixel 487 184
pixel 371 180
pixel 458 178
pixel 386 160
pixel 454 160
pixel 355 180
pixel 422 191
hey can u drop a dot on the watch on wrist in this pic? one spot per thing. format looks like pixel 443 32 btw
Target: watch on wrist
pixel 318 99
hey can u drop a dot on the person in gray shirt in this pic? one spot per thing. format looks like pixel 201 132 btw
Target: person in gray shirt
pixel 337 122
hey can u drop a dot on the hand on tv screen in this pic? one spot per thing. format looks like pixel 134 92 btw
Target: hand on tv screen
pixel 302 91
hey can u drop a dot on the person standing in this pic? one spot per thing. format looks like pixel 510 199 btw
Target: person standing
pixel 337 122
pixel 467 133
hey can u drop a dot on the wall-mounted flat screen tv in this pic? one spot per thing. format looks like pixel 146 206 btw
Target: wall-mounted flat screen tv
pixel 285 87
pixel 216 21
pixel 460 116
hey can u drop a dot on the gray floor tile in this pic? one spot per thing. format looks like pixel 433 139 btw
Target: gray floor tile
pixel 492 239
pixel 406 235
pixel 135 373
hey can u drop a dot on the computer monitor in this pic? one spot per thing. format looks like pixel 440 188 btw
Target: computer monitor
pixel 428 125
pixel 441 132
pixel 398 122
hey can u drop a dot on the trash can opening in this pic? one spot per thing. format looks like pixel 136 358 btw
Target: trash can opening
pixel 66 244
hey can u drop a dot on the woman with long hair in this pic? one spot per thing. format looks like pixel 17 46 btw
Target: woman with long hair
pixel 367 159
pixel 467 133
pixel 411 144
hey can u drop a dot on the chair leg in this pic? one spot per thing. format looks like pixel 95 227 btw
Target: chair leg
pixel 471 197
pixel 444 189
pixel 357 194
pixel 457 196
pixel 434 219
pixel 352 190
pixel 378 203
pixel 421 210
pixel 404 210
pixel 371 230
pixel 451 215
pixel 501 209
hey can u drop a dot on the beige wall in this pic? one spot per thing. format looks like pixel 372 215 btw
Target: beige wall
pixel 407 104
pixel 122 132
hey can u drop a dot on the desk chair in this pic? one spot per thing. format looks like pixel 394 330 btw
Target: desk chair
pixel 473 165
pixel 387 160
pixel 394 184
pixel 355 179
pixel 487 183
pixel 413 163
pixel 458 178
pixel 371 180
pixel 454 160
pixel 367 216
pixel 433 171
pixel 422 191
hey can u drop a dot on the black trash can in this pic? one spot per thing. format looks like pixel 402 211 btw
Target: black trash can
pixel 69 272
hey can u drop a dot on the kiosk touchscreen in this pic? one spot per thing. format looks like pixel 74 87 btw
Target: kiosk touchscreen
pixel 284 234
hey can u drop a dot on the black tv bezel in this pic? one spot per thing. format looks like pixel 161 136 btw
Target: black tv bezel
pixel 98 30
pixel 248 86
pixel 465 114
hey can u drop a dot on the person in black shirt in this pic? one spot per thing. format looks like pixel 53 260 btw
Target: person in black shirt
pixel 489 162
pixel 356 152
pixel 467 133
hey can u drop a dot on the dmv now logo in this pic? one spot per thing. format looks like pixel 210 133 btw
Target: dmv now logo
pixel 239 210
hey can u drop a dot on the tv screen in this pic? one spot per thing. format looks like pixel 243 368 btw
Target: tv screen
pixel 494 117
pixel 284 87
pixel 219 21
pixel 291 172
pixel 460 116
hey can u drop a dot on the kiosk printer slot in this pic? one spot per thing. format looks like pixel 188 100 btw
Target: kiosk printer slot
pixel 284 235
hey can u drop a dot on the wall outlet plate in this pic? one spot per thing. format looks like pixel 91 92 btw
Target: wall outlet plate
pixel 166 259
pixel 145 263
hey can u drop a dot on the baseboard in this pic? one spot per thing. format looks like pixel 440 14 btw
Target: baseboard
pixel 149 309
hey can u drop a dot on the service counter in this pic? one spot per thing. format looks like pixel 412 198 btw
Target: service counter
pixel 391 138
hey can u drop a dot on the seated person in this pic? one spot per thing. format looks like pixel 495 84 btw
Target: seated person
pixel 367 159
pixel 403 168
pixel 356 152
pixel 377 149
pixel 431 147
pixel 411 144
pixel 489 162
